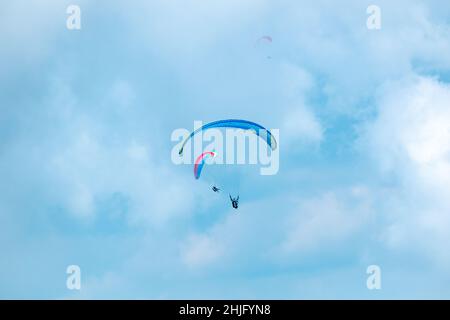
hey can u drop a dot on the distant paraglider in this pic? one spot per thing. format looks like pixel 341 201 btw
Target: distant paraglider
pixel 265 38
pixel 264 42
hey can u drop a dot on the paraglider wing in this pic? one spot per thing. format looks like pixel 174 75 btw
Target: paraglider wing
pixel 238 124
pixel 200 161
pixel 265 38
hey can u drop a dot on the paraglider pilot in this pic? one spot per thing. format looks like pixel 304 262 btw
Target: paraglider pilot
pixel 234 202
pixel 215 189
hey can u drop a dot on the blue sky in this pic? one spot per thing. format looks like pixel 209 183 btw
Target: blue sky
pixel 87 179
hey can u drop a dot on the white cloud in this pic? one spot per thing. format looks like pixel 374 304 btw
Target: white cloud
pixel 68 158
pixel 296 81
pixel 200 250
pixel 300 124
pixel 327 221
pixel 412 131
pixel 277 231
pixel 410 140
pixel 32 30
pixel 351 60
pixel 87 169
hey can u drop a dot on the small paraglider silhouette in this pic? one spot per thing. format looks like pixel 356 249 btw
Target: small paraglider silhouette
pixel 234 202
pixel 215 189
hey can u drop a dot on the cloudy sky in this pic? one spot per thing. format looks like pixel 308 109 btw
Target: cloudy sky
pixel 87 179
